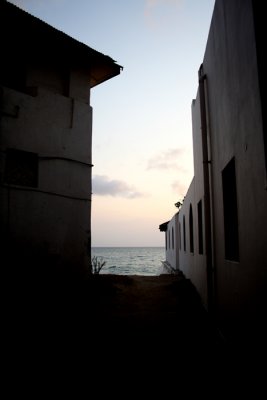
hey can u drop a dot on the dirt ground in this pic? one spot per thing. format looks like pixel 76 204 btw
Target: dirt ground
pixel 166 307
pixel 140 330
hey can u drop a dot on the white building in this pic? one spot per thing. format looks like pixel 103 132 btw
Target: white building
pixel 220 230
pixel 46 141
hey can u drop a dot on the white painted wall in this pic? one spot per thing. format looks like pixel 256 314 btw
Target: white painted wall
pixel 172 236
pixel 235 129
pixel 54 218
pixel 191 263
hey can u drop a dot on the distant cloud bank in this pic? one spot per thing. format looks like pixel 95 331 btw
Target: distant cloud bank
pixel 169 159
pixel 104 186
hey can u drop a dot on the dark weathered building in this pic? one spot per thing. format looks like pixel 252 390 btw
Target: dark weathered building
pixel 46 134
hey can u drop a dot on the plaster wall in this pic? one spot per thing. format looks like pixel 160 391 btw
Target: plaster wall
pixel 191 263
pixel 79 87
pixel 172 238
pixel 53 218
pixel 51 77
pixel 236 137
pixel 236 131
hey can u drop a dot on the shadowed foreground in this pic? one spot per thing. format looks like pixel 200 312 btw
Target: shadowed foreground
pixel 124 328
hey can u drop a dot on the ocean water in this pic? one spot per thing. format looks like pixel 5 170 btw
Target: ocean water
pixel 130 260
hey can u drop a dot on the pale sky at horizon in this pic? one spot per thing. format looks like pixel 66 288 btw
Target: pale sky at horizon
pixel 142 129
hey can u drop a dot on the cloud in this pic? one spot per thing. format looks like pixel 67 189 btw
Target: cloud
pixel 169 159
pixel 150 4
pixel 179 187
pixel 104 186
pixel 160 12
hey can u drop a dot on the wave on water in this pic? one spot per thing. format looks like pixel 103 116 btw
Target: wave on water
pixel 130 260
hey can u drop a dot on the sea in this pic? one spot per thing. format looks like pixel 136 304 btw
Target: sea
pixel 130 260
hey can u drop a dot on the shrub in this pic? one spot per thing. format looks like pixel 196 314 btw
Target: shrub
pixel 97 264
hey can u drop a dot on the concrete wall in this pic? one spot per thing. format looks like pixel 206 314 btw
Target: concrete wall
pixel 172 242
pixel 192 259
pixel 53 218
pixel 235 142
pixel 191 262
pixel 236 130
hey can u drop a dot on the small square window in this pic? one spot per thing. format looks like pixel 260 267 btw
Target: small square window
pixel 21 168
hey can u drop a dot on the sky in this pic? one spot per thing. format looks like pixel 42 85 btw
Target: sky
pixel 142 128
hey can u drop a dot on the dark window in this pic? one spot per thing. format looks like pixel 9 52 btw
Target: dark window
pixel 166 240
pixel 184 233
pixel 21 168
pixel 191 229
pixel 180 242
pixel 172 238
pixel 230 212
pixel 200 227
pixel 12 76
